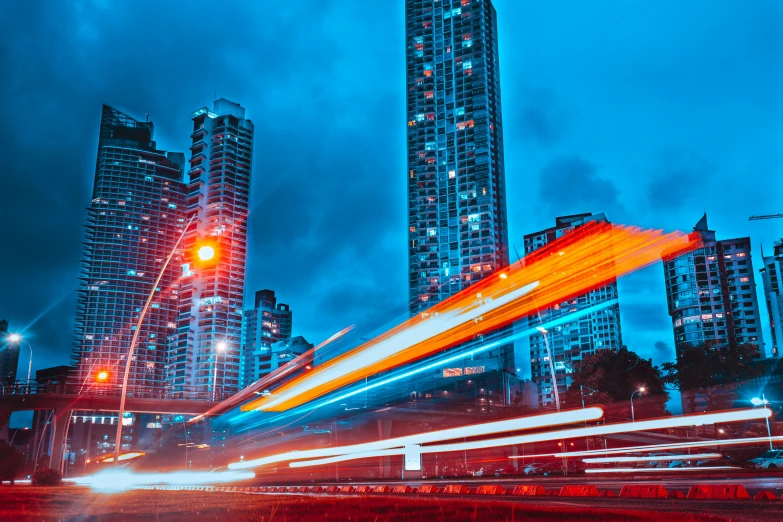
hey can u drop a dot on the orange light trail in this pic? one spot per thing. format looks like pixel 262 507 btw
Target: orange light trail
pixel 587 258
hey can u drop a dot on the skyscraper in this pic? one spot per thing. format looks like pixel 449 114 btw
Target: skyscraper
pixel 133 222
pixel 711 293
pixel 569 342
pixel 209 325
pixel 9 356
pixel 267 323
pixel 456 180
pixel 772 275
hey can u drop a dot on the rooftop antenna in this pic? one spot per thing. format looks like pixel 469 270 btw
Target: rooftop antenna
pixel 147 117
pixel 519 259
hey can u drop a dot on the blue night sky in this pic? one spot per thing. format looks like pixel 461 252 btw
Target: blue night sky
pixel 653 112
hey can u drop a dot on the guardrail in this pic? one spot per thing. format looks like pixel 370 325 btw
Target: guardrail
pixel 112 390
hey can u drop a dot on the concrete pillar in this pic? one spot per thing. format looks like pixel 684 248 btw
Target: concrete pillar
pixel 59 427
pixel 384 432
pixel 5 422
pixel 412 463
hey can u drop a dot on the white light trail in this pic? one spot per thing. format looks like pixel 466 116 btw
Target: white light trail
pixel 655 470
pixel 605 429
pixel 474 430
pixel 656 447
pixel 399 342
pixel 121 480
pixel 698 456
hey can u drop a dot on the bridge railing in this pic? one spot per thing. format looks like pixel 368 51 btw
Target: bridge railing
pixel 112 390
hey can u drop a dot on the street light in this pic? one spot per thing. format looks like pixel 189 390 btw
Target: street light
pixel 206 252
pixel 639 391
pixel 551 365
pixel 755 401
pixel 102 376
pixel 219 348
pixel 135 338
pixel 16 338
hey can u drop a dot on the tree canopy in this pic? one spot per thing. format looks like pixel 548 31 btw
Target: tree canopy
pixel 611 377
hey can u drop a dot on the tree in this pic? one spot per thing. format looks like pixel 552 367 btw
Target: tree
pixel 610 377
pixel 712 371
pixel 11 462
pixel 47 477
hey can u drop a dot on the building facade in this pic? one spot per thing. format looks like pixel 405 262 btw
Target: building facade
pixel 569 342
pixel 9 356
pixel 209 324
pixel 772 276
pixel 133 222
pixel 456 179
pixel 267 323
pixel 711 293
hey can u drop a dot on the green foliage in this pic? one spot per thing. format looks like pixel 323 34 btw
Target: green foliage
pixel 47 477
pixel 11 462
pixel 712 371
pixel 611 376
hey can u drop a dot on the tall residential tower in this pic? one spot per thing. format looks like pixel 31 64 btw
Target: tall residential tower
pixel 133 222
pixel 569 342
pixel 209 325
pixel 711 293
pixel 267 323
pixel 456 182
pixel 772 275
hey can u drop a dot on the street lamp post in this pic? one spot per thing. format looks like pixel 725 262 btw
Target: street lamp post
pixel 219 348
pixel 129 357
pixel 544 332
pixel 755 401
pixel 18 339
pixel 639 391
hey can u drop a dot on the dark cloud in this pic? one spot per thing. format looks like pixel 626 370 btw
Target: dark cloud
pixel 680 178
pixel 571 185
pixel 542 119
pixel 664 352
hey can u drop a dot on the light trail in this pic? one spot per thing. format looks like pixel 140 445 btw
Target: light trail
pixel 657 447
pixel 122 480
pixel 293 365
pixel 698 456
pixel 625 427
pixel 125 456
pixel 656 470
pixel 473 430
pixel 589 257
pixel 462 355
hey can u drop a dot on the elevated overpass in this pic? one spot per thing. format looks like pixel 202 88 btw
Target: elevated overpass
pixel 63 399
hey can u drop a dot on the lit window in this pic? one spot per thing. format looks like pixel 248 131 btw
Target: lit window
pixel 432 231
pixel 452 174
pixel 452 372
pixel 429 95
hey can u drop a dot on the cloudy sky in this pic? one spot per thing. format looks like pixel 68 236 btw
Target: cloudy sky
pixel 653 112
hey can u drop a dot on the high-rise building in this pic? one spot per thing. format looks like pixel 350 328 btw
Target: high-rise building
pixel 133 222
pixel 569 342
pixel 456 180
pixel 269 322
pixel 287 350
pixel 711 293
pixel 9 356
pixel 772 276
pixel 209 325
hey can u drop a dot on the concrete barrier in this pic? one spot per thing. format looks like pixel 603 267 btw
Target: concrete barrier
pixel 718 491
pixel 765 495
pixel 553 493
pixel 490 489
pixel 643 491
pixel 581 490
pixel 529 491
pixel 332 489
pixel 381 489
pixel 675 494
pixel 292 489
pixel 303 489
pixel 263 489
pixel 607 493
pixel 316 489
pixel 428 489
pixel 455 489
pixel 348 489
pixel 364 489
pixel 402 489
